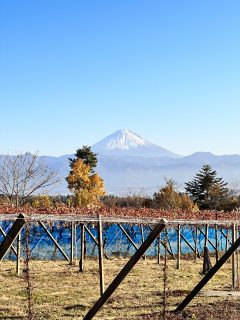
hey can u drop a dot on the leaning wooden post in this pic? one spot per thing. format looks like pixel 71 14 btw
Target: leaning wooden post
pixel 178 246
pixel 54 240
pixel 11 235
pixel 4 235
pixel 73 232
pixel 125 270
pixel 234 258
pixel 187 242
pixel 209 275
pixel 164 244
pixel 18 253
pixel 81 261
pixel 168 242
pixel 208 240
pixel 100 255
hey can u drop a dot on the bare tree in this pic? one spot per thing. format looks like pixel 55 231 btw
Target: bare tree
pixel 234 188
pixel 23 175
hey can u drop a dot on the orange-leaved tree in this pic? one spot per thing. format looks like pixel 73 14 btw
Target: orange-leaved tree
pixel 168 198
pixel 83 181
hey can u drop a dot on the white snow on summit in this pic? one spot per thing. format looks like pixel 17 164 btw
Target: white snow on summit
pixel 128 143
pixel 125 139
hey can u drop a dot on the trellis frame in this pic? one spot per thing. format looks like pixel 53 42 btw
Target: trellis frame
pixel 21 219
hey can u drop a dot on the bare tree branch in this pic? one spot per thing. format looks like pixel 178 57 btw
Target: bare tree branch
pixel 23 175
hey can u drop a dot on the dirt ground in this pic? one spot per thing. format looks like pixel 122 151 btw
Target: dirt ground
pixel 60 291
pixel 225 310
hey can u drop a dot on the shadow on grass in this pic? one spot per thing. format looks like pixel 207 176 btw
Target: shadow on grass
pixel 76 307
pixel 11 317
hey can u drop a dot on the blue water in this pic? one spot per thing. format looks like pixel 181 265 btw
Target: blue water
pixel 115 241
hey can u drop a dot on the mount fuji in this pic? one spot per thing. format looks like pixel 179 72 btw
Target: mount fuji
pixel 128 143
pixel 129 163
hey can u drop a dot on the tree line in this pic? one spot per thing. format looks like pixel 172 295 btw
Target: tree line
pixel 22 176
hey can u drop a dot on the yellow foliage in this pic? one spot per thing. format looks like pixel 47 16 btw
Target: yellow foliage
pixel 97 184
pixel 42 201
pixel 79 175
pixel 187 203
pixel 169 198
pixel 87 187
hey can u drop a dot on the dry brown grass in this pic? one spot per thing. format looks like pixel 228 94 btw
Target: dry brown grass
pixel 61 292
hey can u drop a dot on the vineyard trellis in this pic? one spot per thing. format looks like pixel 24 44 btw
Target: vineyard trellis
pixel 139 238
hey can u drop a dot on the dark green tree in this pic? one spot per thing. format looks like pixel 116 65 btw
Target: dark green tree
pixel 207 190
pixel 88 157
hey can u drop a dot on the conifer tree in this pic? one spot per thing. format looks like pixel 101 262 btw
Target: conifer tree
pixel 207 190
pixel 87 156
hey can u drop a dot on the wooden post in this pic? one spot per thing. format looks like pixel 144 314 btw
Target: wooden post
pixel 11 235
pixel 18 253
pixel 95 240
pixel 196 249
pixel 237 261
pixel 206 236
pixel 178 246
pixel 216 242
pixel 187 242
pixel 81 261
pixel 227 235
pixel 164 245
pixel 209 275
pixel 100 256
pixel 127 235
pixel 207 240
pixel 4 235
pixel 159 248
pixel 85 244
pixel 142 235
pixel 233 258
pixel 206 261
pixel 125 271
pixel 73 242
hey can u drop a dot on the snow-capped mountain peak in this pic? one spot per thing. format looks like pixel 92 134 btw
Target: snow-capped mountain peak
pixel 126 139
pixel 128 143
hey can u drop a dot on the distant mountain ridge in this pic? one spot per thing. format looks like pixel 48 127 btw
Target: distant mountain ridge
pixel 136 174
pixel 129 163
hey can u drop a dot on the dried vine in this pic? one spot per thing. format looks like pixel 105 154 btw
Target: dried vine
pixel 165 278
pixel 27 273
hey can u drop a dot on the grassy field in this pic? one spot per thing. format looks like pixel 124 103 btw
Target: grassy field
pixel 59 291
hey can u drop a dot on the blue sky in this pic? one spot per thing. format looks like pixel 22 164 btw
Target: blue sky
pixel 72 72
